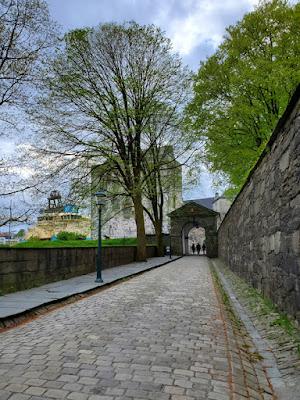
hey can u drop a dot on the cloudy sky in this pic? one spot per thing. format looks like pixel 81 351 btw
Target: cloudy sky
pixel 196 28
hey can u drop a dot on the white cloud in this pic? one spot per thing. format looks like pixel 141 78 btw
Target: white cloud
pixel 196 27
pixel 6 148
pixel 202 21
pixel 23 172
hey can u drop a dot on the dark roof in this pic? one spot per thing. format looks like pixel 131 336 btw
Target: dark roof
pixel 207 202
pixel 194 205
pixel 5 235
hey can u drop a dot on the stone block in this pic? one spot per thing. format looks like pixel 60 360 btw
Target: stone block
pixel 260 236
pixel 22 269
pixel 277 242
pixel 272 242
pixel 296 242
pixel 284 160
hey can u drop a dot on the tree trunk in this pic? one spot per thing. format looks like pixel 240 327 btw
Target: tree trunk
pixel 159 239
pixel 140 228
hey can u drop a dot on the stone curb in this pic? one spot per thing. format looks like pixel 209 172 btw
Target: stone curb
pixel 34 312
pixel 262 345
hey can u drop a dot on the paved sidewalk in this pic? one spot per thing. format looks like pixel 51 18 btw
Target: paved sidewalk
pixel 15 303
pixel 164 335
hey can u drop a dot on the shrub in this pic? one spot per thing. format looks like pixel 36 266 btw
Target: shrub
pixel 34 239
pixel 70 236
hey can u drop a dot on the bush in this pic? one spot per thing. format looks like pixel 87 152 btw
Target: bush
pixel 34 239
pixel 70 236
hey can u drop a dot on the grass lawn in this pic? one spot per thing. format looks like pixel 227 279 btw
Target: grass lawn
pixel 72 243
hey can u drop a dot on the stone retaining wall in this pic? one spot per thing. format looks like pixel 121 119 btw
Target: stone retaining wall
pixel 259 238
pixel 25 268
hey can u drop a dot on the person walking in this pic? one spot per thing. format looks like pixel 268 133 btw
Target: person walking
pixel 193 248
pixel 204 248
pixel 198 247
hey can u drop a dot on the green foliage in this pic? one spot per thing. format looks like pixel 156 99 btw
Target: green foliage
pixel 225 298
pixel 112 94
pixel 70 236
pixel 263 308
pixel 21 233
pixel 284 323
pixel 241 91
pixel 75 243
pixel 34 239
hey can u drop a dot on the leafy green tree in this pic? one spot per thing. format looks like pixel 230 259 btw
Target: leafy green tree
pixel 21 233
pixel 241 91
pixel 107 89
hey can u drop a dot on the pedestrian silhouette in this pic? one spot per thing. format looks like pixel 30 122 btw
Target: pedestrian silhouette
pixel 193 248
pixel 198 247
pixel 204 248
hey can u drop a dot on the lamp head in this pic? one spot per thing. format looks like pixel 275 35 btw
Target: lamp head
pixel 100 196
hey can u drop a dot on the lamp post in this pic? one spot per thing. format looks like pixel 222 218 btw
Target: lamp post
pixel 170 242
pixel 100 196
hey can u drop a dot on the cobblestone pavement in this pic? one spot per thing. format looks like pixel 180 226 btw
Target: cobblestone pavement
pixel 19 302
pixel 277 344
pixel 164 335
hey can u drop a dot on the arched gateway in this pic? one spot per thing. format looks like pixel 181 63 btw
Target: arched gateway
pixel 192 215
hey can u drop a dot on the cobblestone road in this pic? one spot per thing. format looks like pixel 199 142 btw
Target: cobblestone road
pixel 163 335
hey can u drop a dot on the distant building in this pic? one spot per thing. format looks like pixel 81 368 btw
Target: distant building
pixel 8 238
pixel 118 213
pixel 59 217
pixel 220 204
pixel 5 237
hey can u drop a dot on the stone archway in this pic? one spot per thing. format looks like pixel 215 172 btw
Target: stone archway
pixel 192 234
pixel 186 217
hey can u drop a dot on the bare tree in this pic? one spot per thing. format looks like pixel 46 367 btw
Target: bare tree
pixel 162 176
pixel 10 216
pixel 107 89
pixel 26 36
pixel 26 32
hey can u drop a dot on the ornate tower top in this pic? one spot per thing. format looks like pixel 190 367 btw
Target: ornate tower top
pixel 54 200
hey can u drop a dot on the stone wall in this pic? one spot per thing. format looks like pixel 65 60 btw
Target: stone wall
pixel 25 268
pixel 187 217
pixel 259 238
pixel 221 205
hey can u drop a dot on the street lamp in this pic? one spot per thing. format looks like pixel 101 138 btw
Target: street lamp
pixel 170 241
pixel 100 196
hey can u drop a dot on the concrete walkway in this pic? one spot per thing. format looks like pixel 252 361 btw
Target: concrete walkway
pixel 163 335
pixel 26 300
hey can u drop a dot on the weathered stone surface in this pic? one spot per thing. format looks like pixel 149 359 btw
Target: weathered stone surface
pixel 188 216
pixel 164 335
pixel 26 268
pixel 259 238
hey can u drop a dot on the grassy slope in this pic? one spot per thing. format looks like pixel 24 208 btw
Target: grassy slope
pixel 74 243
